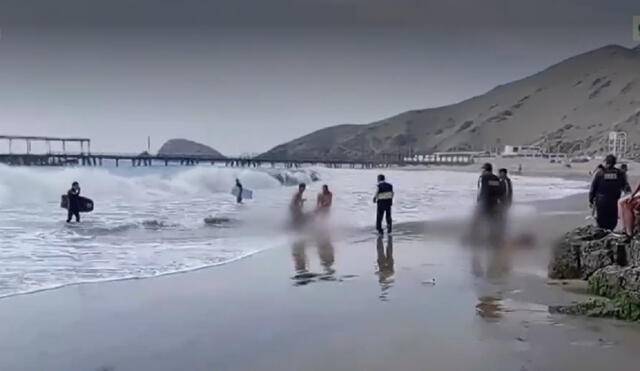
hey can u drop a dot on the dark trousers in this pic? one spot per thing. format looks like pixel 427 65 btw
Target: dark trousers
pixel 607 213
pixel 384 210
pixel 488 225
pixel 72 212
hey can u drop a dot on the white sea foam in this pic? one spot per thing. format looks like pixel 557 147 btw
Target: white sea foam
pixel 149 221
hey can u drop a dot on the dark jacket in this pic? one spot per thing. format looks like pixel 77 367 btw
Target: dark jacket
pixel 384 195
pixel 490 191
pixel 507 198
pixel 608 185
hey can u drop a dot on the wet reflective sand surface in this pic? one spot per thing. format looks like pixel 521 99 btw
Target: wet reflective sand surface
pixel 413 301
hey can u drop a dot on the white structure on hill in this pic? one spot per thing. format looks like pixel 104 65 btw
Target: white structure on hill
pixel 618 143
pixel 522 151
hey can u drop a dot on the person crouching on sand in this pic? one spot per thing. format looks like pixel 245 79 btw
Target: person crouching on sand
pixel 325 199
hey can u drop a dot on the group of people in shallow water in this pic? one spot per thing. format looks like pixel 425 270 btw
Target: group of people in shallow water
pixel 495 195
pixel 296 207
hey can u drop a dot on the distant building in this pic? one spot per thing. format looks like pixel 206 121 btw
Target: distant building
pixel 618 143
pixel 446 157
pixel 522 151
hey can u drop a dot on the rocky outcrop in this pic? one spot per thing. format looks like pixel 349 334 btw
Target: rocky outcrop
pixel 623 306
pixel 610 263
pixel 612 280
pixel 185 147
pixel 581 252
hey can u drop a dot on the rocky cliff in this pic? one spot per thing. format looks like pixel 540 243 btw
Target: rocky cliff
pixel 568 107
pixel 177 147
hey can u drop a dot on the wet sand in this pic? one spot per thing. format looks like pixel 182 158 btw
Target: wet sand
pixel 417 301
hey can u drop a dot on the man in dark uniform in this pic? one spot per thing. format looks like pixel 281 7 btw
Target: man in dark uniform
pixel 489 209
pixel 606 188
pixel 490 191
pixel 74 202
pixel 384 200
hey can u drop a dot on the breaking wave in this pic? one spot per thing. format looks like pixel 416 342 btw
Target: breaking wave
pixel 37 185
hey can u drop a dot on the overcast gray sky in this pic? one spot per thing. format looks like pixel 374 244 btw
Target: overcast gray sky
pixel 244 76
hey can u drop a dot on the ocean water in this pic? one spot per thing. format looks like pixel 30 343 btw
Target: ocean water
pixel 150 221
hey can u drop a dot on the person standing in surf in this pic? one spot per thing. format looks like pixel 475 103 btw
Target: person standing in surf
pixel 325 199
pixel 297 205
pixel 489 211
pixel 239 186
pixel 606 189
pixel 384 200
pixel 74 202
pixel 507 197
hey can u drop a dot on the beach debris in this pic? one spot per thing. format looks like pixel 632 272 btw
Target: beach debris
pixel 489 308
pixel 431 282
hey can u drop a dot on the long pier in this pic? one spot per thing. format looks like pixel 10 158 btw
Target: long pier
pixel 88 158
pixel 117 160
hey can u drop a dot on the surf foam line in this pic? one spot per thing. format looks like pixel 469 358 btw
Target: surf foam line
pixel 37 185
pixel 130 277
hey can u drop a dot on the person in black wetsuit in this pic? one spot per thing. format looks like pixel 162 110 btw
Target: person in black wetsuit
pixel 384 200
pixel 239 185
pixel 74 202
pixel 606 188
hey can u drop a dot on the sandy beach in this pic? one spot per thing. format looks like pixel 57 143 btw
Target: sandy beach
pixel 416 301
pixel 319 185
pixel 541 167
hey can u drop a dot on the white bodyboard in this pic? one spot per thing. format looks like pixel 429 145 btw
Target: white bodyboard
pixel 247 194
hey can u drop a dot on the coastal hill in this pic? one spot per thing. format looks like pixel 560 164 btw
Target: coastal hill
pixel 176 147
pixel 568 107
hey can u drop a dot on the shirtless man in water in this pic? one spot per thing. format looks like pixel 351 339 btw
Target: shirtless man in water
pixel 325 198
pixel 297 205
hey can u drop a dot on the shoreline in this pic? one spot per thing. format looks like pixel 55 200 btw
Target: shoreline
pixel 211 318
pixel 354 303
pixel 544 205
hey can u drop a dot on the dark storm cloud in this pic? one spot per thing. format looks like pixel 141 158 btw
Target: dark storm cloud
pixel 450 13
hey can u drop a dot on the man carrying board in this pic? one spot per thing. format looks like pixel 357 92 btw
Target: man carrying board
pixel 74 202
